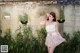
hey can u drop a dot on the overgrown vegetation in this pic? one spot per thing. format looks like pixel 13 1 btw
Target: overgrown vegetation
pixel 26 43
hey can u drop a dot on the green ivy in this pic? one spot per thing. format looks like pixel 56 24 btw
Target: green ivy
pixel 62 17
pixel 26 43
pixel 25 17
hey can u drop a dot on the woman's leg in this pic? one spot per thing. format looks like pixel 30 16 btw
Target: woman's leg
pixel 51 49
pixel 48 49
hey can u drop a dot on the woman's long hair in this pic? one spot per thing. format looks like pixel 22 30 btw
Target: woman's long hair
pixel 54 16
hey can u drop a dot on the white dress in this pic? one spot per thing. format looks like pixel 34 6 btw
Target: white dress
pixel 55 38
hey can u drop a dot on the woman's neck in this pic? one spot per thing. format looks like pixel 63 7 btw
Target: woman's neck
pixel 51 21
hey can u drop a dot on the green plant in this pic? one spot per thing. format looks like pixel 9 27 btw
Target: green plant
pixel 77 37
pixel 26 43
pixel 41 39
pixel 6 39
pixel 23 42
pixel 29 40
pixel 25 17
pixel 71 46
pixel 62 17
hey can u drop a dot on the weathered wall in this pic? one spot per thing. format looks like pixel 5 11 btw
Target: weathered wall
pixel 72 17
pixel 71 12
pixel 33 11
pixel 26 0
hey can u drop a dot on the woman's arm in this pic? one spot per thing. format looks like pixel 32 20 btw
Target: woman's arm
pixel 57 27
pixel 43 23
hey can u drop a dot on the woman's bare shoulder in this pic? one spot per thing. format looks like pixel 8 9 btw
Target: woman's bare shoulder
pixel 57 22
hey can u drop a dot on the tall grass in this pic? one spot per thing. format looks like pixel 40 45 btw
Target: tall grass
pixel 26 43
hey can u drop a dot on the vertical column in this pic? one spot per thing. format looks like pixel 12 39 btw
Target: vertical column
pixel 0 17
pixel 69 18
pixel 77 17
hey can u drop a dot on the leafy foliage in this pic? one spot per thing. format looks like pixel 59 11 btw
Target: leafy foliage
pixel 26 43
pixel 62 17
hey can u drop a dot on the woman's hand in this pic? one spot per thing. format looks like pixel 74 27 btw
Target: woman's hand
pixel 42 23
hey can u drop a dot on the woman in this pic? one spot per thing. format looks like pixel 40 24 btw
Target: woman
pixel 53 38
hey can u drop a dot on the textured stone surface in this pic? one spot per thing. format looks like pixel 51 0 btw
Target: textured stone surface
pixel 27 0
pixel 71 12
pixel 33 11
pixel 72 17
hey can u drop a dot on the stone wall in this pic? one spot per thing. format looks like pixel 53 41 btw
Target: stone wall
pixel 71 12
pixel 33 11
pixel 26 0
pixel 72 17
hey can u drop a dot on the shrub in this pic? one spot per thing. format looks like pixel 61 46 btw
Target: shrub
pixel 26 43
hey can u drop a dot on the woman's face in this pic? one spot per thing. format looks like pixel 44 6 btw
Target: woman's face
pixel 50 17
